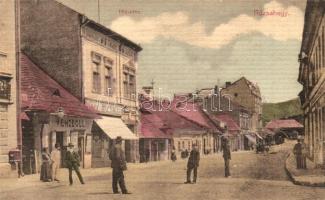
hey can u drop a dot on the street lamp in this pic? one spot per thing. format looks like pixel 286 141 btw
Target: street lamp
pixel 60 113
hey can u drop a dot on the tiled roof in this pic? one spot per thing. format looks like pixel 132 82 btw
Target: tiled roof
pixel 283 123
pixel 152 126
pixel 231 123
pixel 192 111
pixel 40 92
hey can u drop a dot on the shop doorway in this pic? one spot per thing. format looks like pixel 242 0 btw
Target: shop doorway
pixel 28 150
pixel 81 150
pixel 59 140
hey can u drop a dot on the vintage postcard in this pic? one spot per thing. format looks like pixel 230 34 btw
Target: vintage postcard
pixel 162 99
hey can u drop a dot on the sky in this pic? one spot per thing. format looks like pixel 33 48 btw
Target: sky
pixel 194 44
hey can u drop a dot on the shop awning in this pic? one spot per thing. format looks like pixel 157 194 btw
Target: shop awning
pixel 251 138
pixel 114 127
pixel 259 136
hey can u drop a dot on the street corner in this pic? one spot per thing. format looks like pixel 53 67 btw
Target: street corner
pixel 312 176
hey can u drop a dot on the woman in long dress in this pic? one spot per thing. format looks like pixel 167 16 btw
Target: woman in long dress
pixel 46 166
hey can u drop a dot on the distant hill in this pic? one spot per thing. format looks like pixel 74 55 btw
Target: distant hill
pixel 281 110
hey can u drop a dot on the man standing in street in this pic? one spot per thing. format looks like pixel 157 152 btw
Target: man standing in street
pixel 297 151
pixel 117 156
pixel 226 156
pixel 304 154
pixel 193 164
pixel 56 162
pixel 73 163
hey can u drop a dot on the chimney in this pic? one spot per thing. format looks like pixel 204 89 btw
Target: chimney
pixel 216 89
pixel 228 83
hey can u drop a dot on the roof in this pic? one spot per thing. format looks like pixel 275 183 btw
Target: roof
pixel 283 123
pixel 192 111
pixel 40 92
pixel 231 123
pixel 105 29
pixel 254 88
pixel 170 118
pixel 113 34
pixel 152 126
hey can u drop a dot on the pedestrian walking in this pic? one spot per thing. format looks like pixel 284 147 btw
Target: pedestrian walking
pixel 226 156
pixel 46 166
pixel 73 163
pixel 297 151
pixel 193 164
pixel 56 162
pixel 118 164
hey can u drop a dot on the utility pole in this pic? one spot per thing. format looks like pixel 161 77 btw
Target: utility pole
pixel 152 85
pixel 98 9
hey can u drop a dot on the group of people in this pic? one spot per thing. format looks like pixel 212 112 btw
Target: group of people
pixel 194 160
pixel 52 162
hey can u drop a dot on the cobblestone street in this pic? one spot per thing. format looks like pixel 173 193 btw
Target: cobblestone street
pixel 254 176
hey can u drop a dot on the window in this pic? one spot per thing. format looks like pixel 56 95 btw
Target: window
pixel 129 82
pixel 108 76
pixel 236 94
pixel 179 145
pixel 96 60
pixel 108 82
pixel 96 78
pixel 126 85
pixel 5 88
pixel 132 86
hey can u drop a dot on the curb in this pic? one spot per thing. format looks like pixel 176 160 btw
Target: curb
pixel 301 183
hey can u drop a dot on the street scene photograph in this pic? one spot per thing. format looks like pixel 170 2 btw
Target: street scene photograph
pixel 162 99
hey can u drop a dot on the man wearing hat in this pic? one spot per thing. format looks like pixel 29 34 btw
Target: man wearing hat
pixel 117 156
pixel 297 150
pixel 226 155
pixel 193 164
pixel 73 163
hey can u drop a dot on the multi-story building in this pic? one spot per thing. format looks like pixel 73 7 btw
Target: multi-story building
pixel 9 139
pixel 312 77
pixel 224 109
pixel 94 63
pixel 248 95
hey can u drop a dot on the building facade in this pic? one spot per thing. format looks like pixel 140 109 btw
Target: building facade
pixel 52 115
pixel 235 117
pixel 92 62
pixel 9 134
pixel 312 77
pixel 248 95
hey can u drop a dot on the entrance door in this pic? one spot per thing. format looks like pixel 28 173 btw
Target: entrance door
pixel 81 150
pixel 59 140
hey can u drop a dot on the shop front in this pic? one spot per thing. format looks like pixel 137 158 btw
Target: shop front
pixel 105 131
pixel 73 130
pixel 46 130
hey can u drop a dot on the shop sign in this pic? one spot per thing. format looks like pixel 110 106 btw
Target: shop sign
pixel 71 123
pixel 104 107
pixel 59 124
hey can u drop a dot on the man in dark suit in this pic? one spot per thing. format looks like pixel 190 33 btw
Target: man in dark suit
pixel 297 150
pixel 226 155
pixel 73 163
pixel 193 164
pixel 118 164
